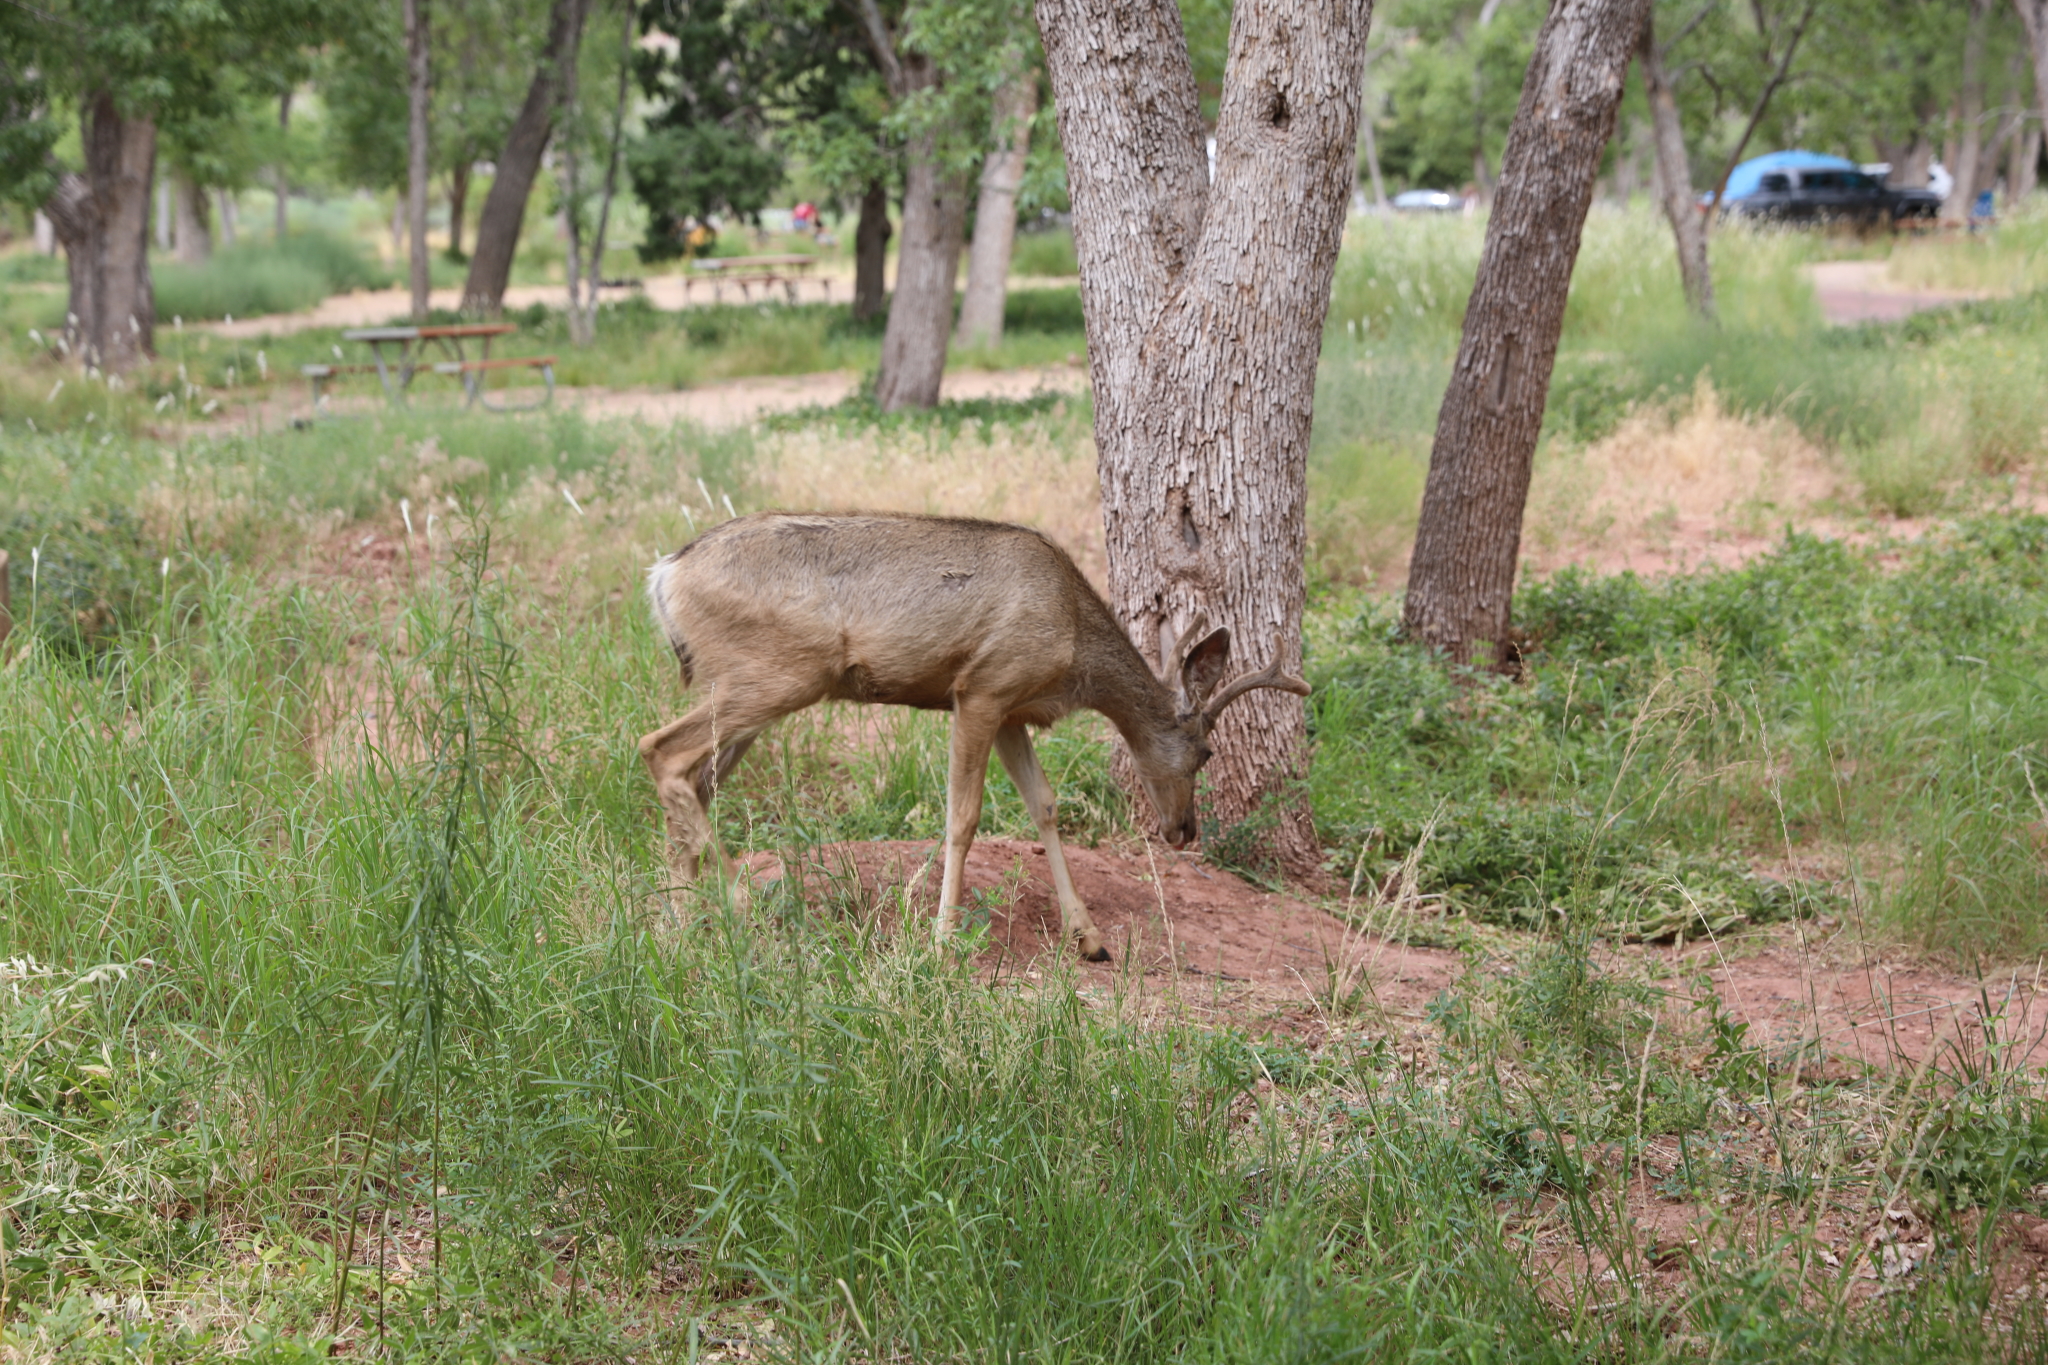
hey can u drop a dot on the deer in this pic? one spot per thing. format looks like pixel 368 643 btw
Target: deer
pixel 775 611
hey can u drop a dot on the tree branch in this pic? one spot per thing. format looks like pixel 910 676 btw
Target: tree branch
pixel 884 48
pixel 1763 102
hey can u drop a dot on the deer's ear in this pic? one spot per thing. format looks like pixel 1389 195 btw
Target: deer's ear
pixel 1204 666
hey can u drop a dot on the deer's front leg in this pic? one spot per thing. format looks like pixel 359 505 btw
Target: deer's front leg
pixel 1013 746
pixel 974 730
pixel 676 756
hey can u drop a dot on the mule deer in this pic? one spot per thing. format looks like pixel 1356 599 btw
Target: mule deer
pixel 772 612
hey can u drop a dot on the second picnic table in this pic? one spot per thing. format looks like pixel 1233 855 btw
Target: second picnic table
pixel 747 271
pixel 409 352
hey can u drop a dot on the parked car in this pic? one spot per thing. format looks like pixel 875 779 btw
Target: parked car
pixel 1806 187
pixel 1427 201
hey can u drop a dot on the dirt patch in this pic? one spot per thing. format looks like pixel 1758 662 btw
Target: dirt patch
pixel 1809 994
pixel 1804 988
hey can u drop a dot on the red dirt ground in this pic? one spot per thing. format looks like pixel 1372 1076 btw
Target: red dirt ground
pixel 1265 960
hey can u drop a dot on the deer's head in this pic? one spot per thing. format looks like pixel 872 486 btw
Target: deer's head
pixel 1195 665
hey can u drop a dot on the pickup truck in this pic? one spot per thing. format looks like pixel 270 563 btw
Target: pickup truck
pixel 1832 195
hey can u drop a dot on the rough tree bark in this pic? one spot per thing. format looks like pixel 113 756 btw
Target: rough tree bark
pixel 102 218
pixel 497 231
pixel 194 233
pixel 1674 179
pixel 928 257
pixel 417 76
pixel 871 251
pixel 1205 307
pixel 282 171
pixel 995 212
pixel 1462 575
pixel 1956 208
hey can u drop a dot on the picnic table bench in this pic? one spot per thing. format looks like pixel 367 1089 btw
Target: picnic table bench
pixel 409 354
pixel 747 271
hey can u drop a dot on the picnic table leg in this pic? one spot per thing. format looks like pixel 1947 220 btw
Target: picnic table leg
pixel 383 374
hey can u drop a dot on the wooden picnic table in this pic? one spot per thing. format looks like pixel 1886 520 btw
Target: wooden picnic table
pixel 747 271
pixel 410 350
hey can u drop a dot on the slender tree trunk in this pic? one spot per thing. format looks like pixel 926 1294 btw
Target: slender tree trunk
pixel 160 220
pixel 418 76
pixel 195 234
pixel 871 251
pixel 571 153
pixel 1462 577
pixel 230 217
pixel 1956 208
pixel 102 218
pixel 497 231
pixel 283 171
pixel 1205 307
pixel 995 212
pixel 1674 180
pixel 611 166
pixel 2034 20
pixel 2024 173
pixel 458 204
pixel 1368 137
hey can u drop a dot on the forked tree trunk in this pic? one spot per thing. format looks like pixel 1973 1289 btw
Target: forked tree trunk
pixel 927 266
pixel 194 232
pixel 995 212
pixel 871 251
pixel 417 77
pixel 1205 307
pixel 1963 166
pixel 102 218
pixel 1462 577
pixel 1674 180
pixel 497 231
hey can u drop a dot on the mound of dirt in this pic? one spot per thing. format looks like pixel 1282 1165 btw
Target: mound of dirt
pixel 1162 914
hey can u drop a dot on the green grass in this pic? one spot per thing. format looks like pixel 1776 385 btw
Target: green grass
pixel 261 277
pixel 331 929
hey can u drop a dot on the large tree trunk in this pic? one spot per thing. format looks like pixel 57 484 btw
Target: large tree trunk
pixel 417 69
pixel 1674 180
pixel 1462 577
pixel 870 251
pixel 102 218
pixel 1956 208
pixel 497 231
pixel 995 212
pixel 195 233
pixel 283 169
pixel 1205 307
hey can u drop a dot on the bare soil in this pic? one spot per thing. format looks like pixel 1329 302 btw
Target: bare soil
pixel 1815 996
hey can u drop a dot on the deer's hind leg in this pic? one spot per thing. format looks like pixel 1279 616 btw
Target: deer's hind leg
pixel 687 759
pixel 1013 746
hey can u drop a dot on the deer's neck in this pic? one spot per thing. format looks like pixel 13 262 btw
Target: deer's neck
pixel 1117 682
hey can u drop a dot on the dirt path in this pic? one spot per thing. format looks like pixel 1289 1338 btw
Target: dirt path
pixel 740 401
pixel 670 293
pixel 1863 291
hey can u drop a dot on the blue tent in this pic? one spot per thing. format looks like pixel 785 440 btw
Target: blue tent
pixel 1749 175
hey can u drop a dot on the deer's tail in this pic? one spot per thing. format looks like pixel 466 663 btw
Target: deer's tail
pixel 660 600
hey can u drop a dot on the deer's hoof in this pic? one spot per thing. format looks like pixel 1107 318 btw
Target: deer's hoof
pixel 1092 949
